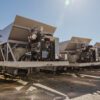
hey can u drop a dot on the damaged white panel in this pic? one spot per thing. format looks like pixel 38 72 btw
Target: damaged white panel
pixel 4 34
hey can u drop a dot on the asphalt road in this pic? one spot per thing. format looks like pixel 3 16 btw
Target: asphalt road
pixel 50 87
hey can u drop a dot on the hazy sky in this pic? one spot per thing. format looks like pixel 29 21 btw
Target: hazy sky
pixel 72 18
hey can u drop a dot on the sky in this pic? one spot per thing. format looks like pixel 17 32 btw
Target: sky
pixel 72 18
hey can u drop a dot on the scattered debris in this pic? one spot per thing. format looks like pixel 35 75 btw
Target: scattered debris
pixel 19 88
pixel 31 88
pixel 90 76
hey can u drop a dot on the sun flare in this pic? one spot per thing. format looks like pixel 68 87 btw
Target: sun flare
pixel 67 2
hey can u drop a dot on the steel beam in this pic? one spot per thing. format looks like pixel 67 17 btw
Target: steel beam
pixel 34 64
pixel 42 64
pixel 7 52
pixel 2 54
pixel 8 45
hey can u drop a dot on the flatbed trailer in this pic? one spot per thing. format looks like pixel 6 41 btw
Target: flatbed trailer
pixel 15 37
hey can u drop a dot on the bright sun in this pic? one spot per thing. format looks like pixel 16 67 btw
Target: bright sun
pixel 67 2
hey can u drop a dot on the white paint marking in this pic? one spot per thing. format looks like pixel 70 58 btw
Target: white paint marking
pixel 2 77
pixel 98 92
pixel 73 75
pixel 94 96
pixel 95 93
pixel 91 76
pixel 51 90
pixel 84 97
pixel 22 82
pixel 19 88
pixel 57 98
